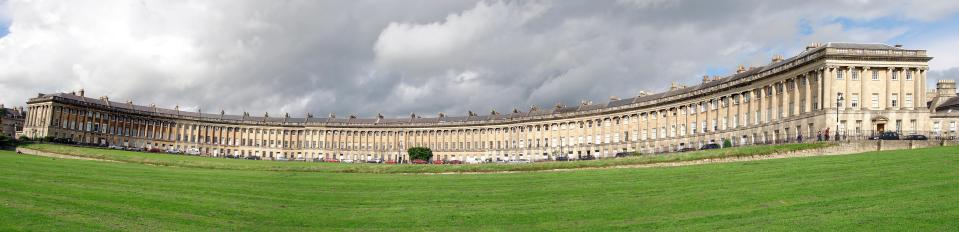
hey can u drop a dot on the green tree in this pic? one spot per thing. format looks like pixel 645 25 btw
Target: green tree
pixel 422 153
pixel 727 143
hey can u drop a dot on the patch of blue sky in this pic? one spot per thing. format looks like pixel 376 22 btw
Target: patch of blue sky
pixel 915 30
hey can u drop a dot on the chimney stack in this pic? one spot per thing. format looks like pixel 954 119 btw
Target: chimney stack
pixel 946 88
pixel 81 92
pixel 741 69
pixel 777 58
pixel 898 46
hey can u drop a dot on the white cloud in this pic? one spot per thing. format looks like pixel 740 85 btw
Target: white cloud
pixel 423 56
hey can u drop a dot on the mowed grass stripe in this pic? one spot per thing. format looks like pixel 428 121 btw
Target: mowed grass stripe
pixel 898 190
pixel 239 164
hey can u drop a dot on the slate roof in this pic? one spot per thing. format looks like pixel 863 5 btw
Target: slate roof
pixel 950 104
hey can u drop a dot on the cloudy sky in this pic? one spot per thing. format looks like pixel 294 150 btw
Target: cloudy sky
pixel 430 56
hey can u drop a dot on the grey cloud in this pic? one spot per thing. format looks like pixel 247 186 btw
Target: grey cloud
pixel 397 57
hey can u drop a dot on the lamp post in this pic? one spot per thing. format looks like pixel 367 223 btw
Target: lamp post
pixel 838 106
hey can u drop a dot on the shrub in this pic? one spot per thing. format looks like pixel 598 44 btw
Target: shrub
pixel 24 138
pixel 422 153
pixel 5 141
pixel 727 143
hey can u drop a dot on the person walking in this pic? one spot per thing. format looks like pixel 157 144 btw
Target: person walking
pixel 819 136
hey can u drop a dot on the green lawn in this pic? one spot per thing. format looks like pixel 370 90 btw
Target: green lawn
pixel 910 190
pixel 264 165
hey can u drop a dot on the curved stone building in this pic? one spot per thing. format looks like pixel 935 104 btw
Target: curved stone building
pixel 882 88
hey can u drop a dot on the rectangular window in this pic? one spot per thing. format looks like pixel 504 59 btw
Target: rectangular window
pixel 894 100
pixel 908 75
pixel 875 75
pixel 855 74
pixel 875 101
pixel 839 74
pixel 895 75
pixel 908 100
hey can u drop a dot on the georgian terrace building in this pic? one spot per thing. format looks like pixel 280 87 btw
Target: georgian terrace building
pixel 11 121
pixel 882 88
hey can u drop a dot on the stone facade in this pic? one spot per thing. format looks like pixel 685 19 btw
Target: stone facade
pixel 11 121
pixel 882 88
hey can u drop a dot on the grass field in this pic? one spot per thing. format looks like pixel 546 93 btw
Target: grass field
pixel 911 190
pixel 264 165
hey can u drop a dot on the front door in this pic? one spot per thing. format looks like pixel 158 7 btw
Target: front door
pixel 880 127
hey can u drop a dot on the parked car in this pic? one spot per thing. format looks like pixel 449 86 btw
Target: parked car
pixel 474 161
pixel 622 154
pixel 331 161
pixel 886 136
pixel 686 149
pixel 253 157
pixel 346 161
pixel 115 147
pixel 375 161
pixel 520 161
pixel 300 158
pixel 916 137
pixel 281 158
pixel 587 157
pixel 438 162
pixel 419 161
pixel 456 162
pixel 562 158
pixel 710 146
pixel 391 162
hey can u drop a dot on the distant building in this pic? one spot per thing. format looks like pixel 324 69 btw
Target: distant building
pixel 881 87
pixel 11 121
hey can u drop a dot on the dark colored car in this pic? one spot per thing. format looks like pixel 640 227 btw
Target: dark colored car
pixel 562 158
pixel 710 146
pixel 587 157
pixel 685 149
pixel 916 137
pixel 886 136
pixel 419 161
pixel 622 154
pixel 456 162
pixel 253 158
